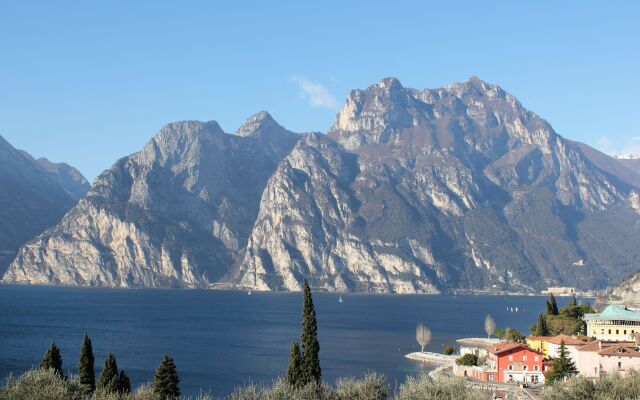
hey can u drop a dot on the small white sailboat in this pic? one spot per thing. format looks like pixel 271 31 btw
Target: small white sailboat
pixel 516 309
pixel 340 299
pixel 249 292
pixel 511 309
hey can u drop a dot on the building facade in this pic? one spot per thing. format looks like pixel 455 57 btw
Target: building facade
pixel 601 357
pixel 550 345
pixel 508 362
pixel 615 323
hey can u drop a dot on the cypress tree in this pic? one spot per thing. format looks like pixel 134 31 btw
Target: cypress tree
pixel 574 301
pixel 293 371
pixel 552 306
pixel 86 373
pixel 108 381
pixel 124 385
pixel 541 326
pixel 310 371
pixel 52 359
pixel 166 380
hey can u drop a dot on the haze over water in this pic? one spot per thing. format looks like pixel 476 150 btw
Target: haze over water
pixel 222 339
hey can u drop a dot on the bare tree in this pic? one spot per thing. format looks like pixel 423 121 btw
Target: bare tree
pixel 489 325
pixel 423 336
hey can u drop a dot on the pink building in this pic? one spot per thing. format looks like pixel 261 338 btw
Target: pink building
pixel 599 357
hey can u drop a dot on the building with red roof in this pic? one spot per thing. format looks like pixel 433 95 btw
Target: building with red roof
pixel 509 362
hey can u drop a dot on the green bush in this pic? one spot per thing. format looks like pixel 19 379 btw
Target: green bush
pixel 449 350
pixel 423 388
pixel 468 360
pixel 41 384
pixel 371 387
pixel 607 388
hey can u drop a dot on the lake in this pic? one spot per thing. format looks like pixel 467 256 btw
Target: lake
pixel 221 339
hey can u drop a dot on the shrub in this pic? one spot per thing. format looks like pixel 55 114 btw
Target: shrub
pixel 371 387
pixel 41 384
pixel 249 392
pixel 423 388
pixel 607 388
pixel 468 360
pixel 449 350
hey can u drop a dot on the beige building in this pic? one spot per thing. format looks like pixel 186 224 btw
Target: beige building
pixel 615 323
pixel 558 290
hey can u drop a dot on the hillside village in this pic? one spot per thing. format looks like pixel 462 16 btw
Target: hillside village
pixel 563 344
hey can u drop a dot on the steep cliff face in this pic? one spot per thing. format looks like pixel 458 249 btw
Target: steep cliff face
pixel 628 291
pixel 174 214
pixel 459 187
pixel 30 201
pixel 411 191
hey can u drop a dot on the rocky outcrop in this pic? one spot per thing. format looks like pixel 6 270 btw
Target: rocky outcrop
pixel 30 200
pixel 628 291
pixel 175 214
pixel 411 191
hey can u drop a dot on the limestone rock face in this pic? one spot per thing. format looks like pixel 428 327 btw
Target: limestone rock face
pixel 31 200
pixel 410 191
pixel 175 214
pixel 429 190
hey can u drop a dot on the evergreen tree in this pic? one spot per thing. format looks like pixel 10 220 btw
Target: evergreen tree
pixel 166 380
pixel 124 385
pixel 310 371
pixel 52 359
pixel 86 373
pixel 293 371
pixel 108 381
pixel 574 301
pixel 541 326
pixel 552 306
pixel 562 367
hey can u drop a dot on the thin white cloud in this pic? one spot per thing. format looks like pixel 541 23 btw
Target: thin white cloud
pixel 315 93
pixel 608 146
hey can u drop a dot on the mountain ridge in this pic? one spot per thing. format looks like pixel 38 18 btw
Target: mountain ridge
pixel 35 195
pixel 410 191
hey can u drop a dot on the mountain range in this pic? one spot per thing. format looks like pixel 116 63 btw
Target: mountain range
pixel 410 191
pixel 35 195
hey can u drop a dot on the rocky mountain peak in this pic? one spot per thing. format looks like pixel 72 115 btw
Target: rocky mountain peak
pixel 476 87
pixel 390 84
pixel 257 123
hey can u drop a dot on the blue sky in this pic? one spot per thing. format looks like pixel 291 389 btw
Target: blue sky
pixel 89 82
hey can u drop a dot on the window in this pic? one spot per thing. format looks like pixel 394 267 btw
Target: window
pixel 609 331
pixel 510 358
pixel 536 368
pixel 602 331
pixel 536 358
pixel 620 365
pixel 524 358
pixel 490 378
pixel 510 367
pixel 617 332
pixel 524 368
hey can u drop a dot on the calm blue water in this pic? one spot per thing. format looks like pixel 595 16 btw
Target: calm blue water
pixel 221 339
